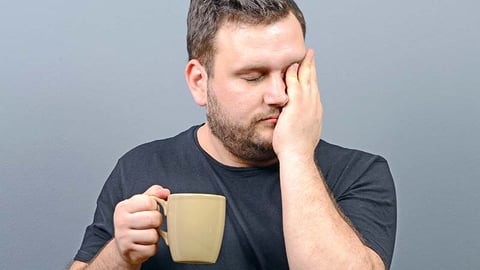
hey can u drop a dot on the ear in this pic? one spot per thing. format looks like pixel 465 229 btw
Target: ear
pixel 197 78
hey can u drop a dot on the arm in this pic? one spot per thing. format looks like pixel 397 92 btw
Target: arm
pixel 135 221
pixel 324 235
pixel 108 258
pixel 317 236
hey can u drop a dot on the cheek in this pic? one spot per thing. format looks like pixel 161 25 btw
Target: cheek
pixel 239 100
pixel 244 106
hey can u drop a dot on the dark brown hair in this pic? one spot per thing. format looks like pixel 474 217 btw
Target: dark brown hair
pixel 205 17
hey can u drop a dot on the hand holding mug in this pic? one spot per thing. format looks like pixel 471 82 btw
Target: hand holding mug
pixel 135 222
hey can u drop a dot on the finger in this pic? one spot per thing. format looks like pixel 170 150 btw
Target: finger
pixel 145 220
pixel 139 253
pixel 313 74
pixel 308 76
pixel 138 203
pixel 153 190
pixel 144 237
pixel 157 191
pixel 305 72
pixel 291 78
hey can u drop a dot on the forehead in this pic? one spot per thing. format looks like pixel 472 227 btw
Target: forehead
pixel 271 46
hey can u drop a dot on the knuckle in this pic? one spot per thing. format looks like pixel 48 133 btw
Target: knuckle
pixel 152 250
pixel 137 198
pixel 153 235
pixel 142 202
pixel 150 220
pixel 156 186
pixel 155 219
pixel 120 205
pixel 120 215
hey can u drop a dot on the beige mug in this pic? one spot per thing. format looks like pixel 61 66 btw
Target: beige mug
pixel 195 225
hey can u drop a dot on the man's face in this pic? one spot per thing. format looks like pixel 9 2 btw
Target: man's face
pixel 247 90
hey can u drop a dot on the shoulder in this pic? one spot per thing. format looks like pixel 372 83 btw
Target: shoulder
pixel 151 162
pixel 333 154
pixel 344 166
pixel 171 145
pixel 363 187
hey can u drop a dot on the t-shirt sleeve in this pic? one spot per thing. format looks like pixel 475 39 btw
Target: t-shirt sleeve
pixel 100 232
pixel 370 204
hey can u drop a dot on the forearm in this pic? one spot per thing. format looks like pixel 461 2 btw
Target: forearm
pixel 316 234
pixel 107 258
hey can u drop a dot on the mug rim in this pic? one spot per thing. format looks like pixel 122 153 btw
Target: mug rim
pixel 192 194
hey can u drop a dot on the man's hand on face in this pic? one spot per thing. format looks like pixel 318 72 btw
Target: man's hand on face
pixel 136 221
pixel 299 125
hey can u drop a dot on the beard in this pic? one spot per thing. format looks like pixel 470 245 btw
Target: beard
pixel 243 141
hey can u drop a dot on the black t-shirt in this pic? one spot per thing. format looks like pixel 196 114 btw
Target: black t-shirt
pixel 361 184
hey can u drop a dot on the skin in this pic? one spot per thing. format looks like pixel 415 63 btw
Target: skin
pixel 265 89
pixel 249 86
pixel 285 87
pixel 136 237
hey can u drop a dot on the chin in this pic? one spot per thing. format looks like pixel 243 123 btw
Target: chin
pixel 265 137
pixel 266 127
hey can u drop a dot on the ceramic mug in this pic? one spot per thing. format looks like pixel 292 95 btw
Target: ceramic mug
pixel 195 225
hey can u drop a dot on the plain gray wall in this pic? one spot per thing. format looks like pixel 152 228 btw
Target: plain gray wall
pixel 83 82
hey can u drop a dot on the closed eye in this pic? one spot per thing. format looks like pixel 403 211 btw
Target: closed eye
pixel 255 78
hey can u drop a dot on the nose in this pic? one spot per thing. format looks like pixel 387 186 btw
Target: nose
pixel 276 94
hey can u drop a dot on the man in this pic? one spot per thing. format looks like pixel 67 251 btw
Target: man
pixel 293 201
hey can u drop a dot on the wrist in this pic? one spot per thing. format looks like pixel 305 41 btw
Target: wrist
pixel 289 157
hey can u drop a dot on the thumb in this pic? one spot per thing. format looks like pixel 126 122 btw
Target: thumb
pixel 157 191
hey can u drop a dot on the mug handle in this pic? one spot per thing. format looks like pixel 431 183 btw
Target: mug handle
pixel 164 206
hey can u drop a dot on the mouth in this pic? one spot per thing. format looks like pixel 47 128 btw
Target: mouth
pixel 273 119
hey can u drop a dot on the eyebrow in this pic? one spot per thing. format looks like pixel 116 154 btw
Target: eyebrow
pixel 259 67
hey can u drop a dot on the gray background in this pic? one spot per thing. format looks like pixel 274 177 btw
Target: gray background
pixel 83 82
